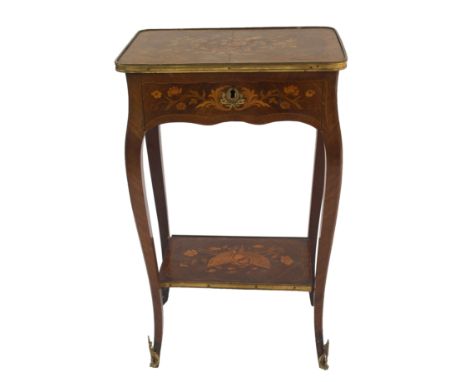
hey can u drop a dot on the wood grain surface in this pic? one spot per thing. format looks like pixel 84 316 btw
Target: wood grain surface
pixel 231 49
pixel 237 263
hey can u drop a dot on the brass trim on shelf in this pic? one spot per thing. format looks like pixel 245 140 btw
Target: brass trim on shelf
pixel 227 285
pixel 231 68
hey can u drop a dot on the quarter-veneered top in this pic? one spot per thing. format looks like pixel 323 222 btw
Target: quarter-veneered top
pixel 233 50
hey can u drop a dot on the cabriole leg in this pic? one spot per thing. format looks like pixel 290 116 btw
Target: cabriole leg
pixel 155 161
pixel 333 167
pixel 316 203
pixel 134 168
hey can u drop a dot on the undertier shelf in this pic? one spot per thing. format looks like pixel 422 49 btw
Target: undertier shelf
pixel 237 263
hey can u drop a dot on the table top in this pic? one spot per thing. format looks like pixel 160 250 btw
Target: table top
pixel 289 49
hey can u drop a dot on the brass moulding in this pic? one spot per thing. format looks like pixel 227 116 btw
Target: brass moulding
pixel 183 284
pixel 232 68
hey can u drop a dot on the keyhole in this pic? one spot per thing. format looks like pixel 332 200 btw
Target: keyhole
pixel 232 93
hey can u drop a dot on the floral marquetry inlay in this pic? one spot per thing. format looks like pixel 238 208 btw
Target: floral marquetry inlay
pixel 250 262
pixel 228 98
pixel 232 259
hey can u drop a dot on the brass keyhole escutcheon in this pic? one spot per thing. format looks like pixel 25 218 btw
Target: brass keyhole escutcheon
pixel 232 98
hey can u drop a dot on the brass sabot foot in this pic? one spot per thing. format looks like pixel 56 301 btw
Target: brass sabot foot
pixel 154 356
pixel 323 359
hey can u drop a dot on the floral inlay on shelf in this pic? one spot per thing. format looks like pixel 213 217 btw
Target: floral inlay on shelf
pixel 231 98
pixel 232 259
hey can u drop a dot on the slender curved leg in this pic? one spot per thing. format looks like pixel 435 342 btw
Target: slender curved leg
pixel 133 162
pixel 316 203
pixel 333 153
pixel 153 147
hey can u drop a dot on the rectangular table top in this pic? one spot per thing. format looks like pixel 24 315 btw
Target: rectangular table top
pixel 289 49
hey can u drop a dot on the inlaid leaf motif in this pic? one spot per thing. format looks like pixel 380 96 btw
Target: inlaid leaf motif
pixel 286 260
pixel 252 99
pixel 213 100
pixel 190 253
pixel 226 98
pixel 240 259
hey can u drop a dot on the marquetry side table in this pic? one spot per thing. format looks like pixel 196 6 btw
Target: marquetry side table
pixel 255 75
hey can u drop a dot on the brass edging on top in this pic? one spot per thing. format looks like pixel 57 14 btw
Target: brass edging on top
pixel 233 68
pixel 224 68
pixel 227 285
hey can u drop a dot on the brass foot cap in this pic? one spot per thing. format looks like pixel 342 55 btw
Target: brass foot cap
pixel 323 359
pixel 154 356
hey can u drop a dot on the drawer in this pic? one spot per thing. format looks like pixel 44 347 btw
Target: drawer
pixel 232 98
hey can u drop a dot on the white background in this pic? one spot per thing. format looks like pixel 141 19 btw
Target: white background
pixel 74 297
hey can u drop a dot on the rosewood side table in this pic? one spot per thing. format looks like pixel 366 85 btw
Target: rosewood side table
pixel 255 75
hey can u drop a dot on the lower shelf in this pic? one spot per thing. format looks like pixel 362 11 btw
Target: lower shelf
pixel 237 263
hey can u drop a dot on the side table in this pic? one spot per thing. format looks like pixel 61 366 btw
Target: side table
pixel 255 75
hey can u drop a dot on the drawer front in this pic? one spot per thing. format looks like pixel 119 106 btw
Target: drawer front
pixel 234 98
